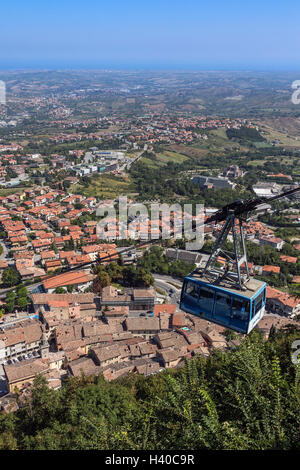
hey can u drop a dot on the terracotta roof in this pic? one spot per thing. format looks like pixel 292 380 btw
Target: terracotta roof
pixel 65 279
pixel 119 311
pixel 142 324
pixel 178 319
pixel 107 352
pixel 164 308
pixel 65 254
pixel 169 355
pixel 84 365
pixel 285 299
pixel 142 293
pixel 48 254
pixel 43 299
pixel 32 331
pixel 271 269
pixel 12 336
pixel 288 259
pixel 25 370
pixel 58 303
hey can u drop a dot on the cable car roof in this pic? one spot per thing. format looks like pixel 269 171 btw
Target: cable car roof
pixel 253 286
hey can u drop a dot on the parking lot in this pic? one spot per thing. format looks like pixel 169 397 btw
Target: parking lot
pixel 20 358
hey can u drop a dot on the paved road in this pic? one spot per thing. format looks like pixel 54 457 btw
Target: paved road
pixel 29 288
pixel 134 160
pixel 5 251
pixel 173 293
pixel 169 280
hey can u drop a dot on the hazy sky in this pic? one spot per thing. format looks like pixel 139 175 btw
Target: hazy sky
pixel 219 34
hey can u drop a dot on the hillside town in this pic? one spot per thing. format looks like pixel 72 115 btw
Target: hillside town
pixel 78 299
pixel 67 328
pixel 149 229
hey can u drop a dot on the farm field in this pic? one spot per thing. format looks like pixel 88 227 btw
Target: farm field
pixel 168 156
pixel 105 187
pixel 163 159
pixel 13 190
pixel 151 163
pixel 286 130
pixel 189 151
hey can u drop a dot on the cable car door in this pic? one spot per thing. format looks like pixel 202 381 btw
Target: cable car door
pixel 222 308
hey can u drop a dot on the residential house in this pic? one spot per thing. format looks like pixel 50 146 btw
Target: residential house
pixel 23 373
pixel 143 326
pixel 282 303
pixel 81 280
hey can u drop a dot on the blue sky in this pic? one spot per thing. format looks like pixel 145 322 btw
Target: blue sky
pixel 196 34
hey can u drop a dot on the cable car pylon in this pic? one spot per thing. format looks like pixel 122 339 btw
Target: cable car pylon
pixel 226 296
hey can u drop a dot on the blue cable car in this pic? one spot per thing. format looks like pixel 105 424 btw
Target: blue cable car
pixel 238 310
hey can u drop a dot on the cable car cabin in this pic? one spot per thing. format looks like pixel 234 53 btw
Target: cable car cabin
pixel 220 303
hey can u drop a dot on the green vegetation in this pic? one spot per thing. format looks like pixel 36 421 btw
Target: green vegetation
pixel 277 220
pixel 267 255
pixel 10 277
pixel 59 290
pixel 159 159
pixel 167 183
pixel 131 275
pixel 246 398
pixel 152 261
pixel 245 133
pixel 103 186
pixel 17 299
pixel 168 156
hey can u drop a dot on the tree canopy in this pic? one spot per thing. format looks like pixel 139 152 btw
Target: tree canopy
pixel 10 277
pixel 245 398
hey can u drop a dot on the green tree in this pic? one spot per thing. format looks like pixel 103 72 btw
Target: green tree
pixel 22 302
pixel 59 290
pixel 10 277
pixel 22 291
pixel 102 280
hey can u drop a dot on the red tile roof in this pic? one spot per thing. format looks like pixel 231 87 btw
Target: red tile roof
pixel 66 279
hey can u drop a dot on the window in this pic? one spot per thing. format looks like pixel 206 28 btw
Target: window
pixel 192 289
pixel 206 299
pixel 223 304
pixel 240 309
pixel 259 302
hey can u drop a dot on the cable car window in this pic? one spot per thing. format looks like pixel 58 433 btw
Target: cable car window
pixel 192 289
pixel 259 302
pixel 240 309
pixel 206 300
pixel 223 304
